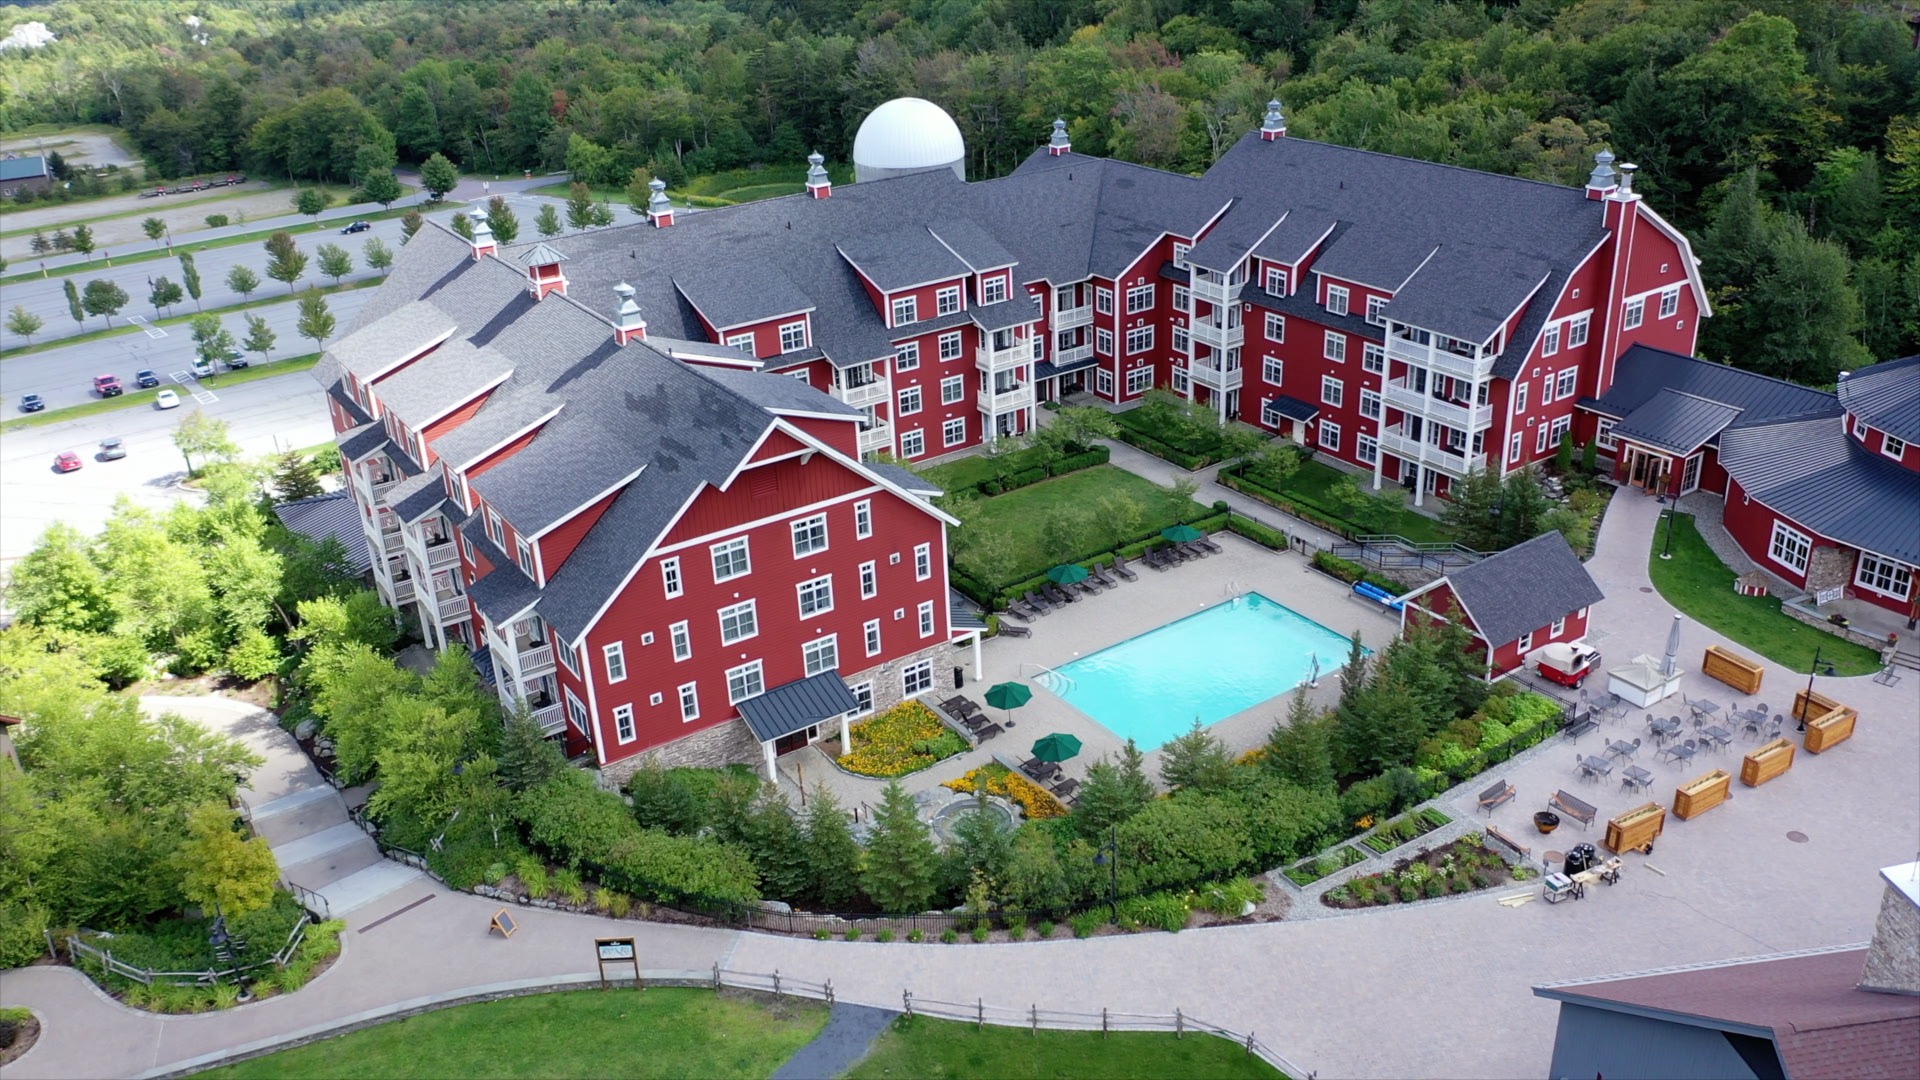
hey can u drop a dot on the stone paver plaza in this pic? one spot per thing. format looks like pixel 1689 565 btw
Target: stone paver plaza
pixel 1432 989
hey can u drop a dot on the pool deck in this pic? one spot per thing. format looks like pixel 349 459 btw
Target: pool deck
pixel 1097 622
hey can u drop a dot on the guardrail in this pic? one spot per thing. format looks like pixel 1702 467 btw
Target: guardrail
pixel 76 949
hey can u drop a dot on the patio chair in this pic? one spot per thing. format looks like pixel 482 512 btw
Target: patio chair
pixel 988 732
pixel 1207 543
pixel 1497 795
pixel 1039 603
pixel 1194 550
pixel 1120 567
pixel 1065 789
pixel 1089 586
pixel 1011 630
pixel 1043 771
pixel 1020 609
pixel 1100 574
pixel 1056 594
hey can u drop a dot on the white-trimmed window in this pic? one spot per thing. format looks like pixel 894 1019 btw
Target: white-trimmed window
pixel 926 618
pixel 862 693
pixel 1182 298
pixel 816 596
pixel 1276 281
pixel 1337 298
pixel 1577 330
pixel 1329 436
pixel 1670 302
pixel 1520 397
pixel 1335 348
pixel 1559 627
pixel 731 559
pixel 1332 391
pixel 950 346
pixel 1271 369
pixel 616 658
pixel 495 532
pixel 682 640
pixel 564 653
pixel 1139 339
pixel 872 632
pixel 947 300
pixel 670 581
pixel 793 336
pixel 1270 413
pixel 913 443
pixel 1540 439
pixel 952 389
pixel 1377 310
pixel 922 561
pixel 744 682
pixel 689 702
pixel 1140 379
pixel 954 431
pixel 905 310
pixel 738 622
pixel 863 519
pixel 578 714
pixel 1179 379
pixel 1893 446
pixel 1373 357
pixel 994 289
pixel 1561 425
pixel 1366 448
pixel 1180 249
pixel 523 554
pixel 623 723
pixel 1514 447
pixel 906 356
pixel 1103 299
pixel 809 535
pixel 821 654
pixel 909 400
pixel 1550 343
pixel 1883 576
pixel 743 341
pixel 1139 299
pixel 1276 330
pixel 916 678
pixel 1789 546
pixel 1103 382
pixel 1103 341
pixel 1636 312
pixel 1525 643
pixel 1182 340
pixel 869 580
pixel 1370 404
pixel 1566 383
pixel 1603 434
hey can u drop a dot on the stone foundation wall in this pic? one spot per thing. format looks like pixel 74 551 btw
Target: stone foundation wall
pixel 1893 962
pixel 1803 610
pixel 886 677
pixel 724 744
pixel 1829 568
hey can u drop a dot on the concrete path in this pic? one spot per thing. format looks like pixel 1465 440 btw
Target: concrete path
pixel 848 1036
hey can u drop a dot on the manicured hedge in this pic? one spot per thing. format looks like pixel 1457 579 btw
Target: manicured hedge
pixel 1256 532
pixel 1233 479
pixel 581 826
pixel 1164 451
pixel 1059 466
pixel 1349 571
pixel 1099 455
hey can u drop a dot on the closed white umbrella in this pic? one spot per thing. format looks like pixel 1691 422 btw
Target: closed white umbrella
pixel 1673 648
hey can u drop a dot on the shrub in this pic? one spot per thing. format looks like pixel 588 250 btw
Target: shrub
pixel 1260 534
pixel 1043 928
pixel 22 933
pixel 1085 923
pixel 949 936
pixel 573 819
pixel 1016 927
pixel 1157 911
pixel 1099 455
pixel 1368 798
pixel 853 933
pixel 883 936
pixel 495 873
pixel 571 889
pixel 217 221
pixel 916 935
pixel 822 934
pixel 980 932
pixel 533 875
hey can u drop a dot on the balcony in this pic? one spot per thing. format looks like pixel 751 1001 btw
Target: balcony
pixel 1068 318
pixel 453 608
pixel 858 392
pixel 1447 461
pixel 392 541
pixel 1215 289
pixel 402 591
pixel 993 361
pixel 1217 378
pixel 875 438
pixel 1075 355
pixel 1208 332
pixel 536 657
pixel 380 489
pixel 1446 361
pixel 994 401
pixel 1465 417
pixel 551 719
pixel 444 553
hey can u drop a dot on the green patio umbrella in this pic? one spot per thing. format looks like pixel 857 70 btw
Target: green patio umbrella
pixel 1056 747
pixel 1009 696
pixel 1181 534
pixel 1067 574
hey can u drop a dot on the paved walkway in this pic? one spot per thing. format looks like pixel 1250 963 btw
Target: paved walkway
pixel 848 1036
pixel 1437 989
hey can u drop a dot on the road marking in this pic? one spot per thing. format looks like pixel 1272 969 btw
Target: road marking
pixel 151 330
pixel 182 377
pixel 205 397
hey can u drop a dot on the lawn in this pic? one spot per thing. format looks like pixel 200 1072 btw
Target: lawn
pixel 1070 517
pixel 924 1049
pixel 1313 484
pixel 658 1032
pixel 1701 586
pixel 972 470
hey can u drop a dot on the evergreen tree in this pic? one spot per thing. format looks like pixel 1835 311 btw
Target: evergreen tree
pixel 1196 760
pixel 662 799
pixel 982 845
pixel 1472 509
pixel 73 302
pixel 1590 457
pixel 501 218
pixel 316 321
pixel 902 864
pixel 833 855
pixel 190 277
pixel 1355 673
pixel 1300 750
pixel 547 221
pixel 1114 791
pixel 1523 505
pixel 295 478
pixel 1563 455
pixel 1033 879
pixel 777 844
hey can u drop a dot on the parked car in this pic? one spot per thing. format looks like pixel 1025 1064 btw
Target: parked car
pixel 236 361
pixel 166 399
pixel 66 461
pixel 358 226
pixel 107 386
pixel 202 366
pixel 113 449
pixel 145 379
pixel 153 192
pixel 31 403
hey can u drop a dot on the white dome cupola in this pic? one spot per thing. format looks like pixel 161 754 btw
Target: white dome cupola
pixel 907 135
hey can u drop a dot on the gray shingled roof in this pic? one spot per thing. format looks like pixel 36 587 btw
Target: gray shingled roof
pixel 905 478
pixel 1501 281
pixel 335 515
pixel 401 333
pixel 450 375
pixel 1524 588
pixel 1643 372
pixel 782 394
pixel 733 294
pixel 417 495
pixel 902 257
pixel 1018 310
pixel 975 245
pixel 505 592
pixel 802 703
pixel 1886 396
pixel 357 443
pixel 1812 471
pixel 1676 422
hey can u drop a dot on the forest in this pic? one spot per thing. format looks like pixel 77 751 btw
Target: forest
pixel 1783 134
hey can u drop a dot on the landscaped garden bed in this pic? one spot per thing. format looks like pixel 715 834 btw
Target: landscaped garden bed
pixel 997 473
pixel 904 739
pixel 1465 865
pixel 1313 493
pixel 1332 862
pixel 1404 829
pixel 175 950
pixel 994 778
pixel 1190 436
pixel 19 1029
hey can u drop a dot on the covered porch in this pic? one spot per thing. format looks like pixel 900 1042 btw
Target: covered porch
pixel 791 717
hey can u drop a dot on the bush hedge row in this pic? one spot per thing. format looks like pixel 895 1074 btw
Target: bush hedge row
pixel 1349 571
pixel 1263 535
pixel 1233 478
pixel 1059 466
pixel 1163 450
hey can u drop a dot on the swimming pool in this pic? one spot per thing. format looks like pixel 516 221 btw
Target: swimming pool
pixel 1212 664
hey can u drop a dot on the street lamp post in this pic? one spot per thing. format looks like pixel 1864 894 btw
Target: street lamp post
pixel 1806 701
pixel 1672 512
pixel 1109 857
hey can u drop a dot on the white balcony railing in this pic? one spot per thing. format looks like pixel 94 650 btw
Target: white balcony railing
pixel 992 361
pixel 453 608
pixel 551 719
pixel 1068 318
pixel 1218 378
pixel 402 591
pixel 876 389
pixel 1215 289
pixel 1063 357
pixel 535 658
pixel 1443 361
pixel 392 542
pixel 875 438
pixel 994 402
pixel 445 553
pixel 1468 418
pixel 1207 332
pixel 1447 461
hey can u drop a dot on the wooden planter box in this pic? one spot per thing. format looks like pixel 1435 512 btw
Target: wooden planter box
pixel 1733 669
pixel 1767 762
pixel 1813 705
pixel 1830 730
pixel 1635 829
pixel 1701 794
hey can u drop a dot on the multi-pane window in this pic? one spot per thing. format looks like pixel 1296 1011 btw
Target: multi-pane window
pixel 1335 348
pixel 1140 380
pixel 1271 369
pixel 1636 312
pixel 863 519
pixel 906 356
pixel 1182 298
pixel 862 693
pixel 1377 310
pixel 1103 382
pixel 913 443
pixel 947 301
pixel 1139 339
pixel 1103 299
pixel 950 346
pixel 1790 546
pixel 670 581
pixel 821 654
pixel 1270 414
pixel 1893 446
pixel 1182 341
pixel 1884 575
pixel 1370 404
pixel 1337 298
pixel 682 641
pixel 793 336
pixel 909 400
pixel 1603 435
pixel 730 559
pixel 1560 427
pixel 689 702
pixel 873 637
pixel 1276 281
pixel 922 561
pixel 926 618
pixel 1332 391
pixel 1103 341
pixel 1139 299
pixel 952 389
pixel 954 431
pixel 1540 439
pixel 916 678
pixel 869 580
pixel 1577 330
pixel 809 535
pixel 816 596
pixel 1566 382
pixel 1180 250
pixel 1520 396
pixel 1276 327
pixel 1514 448
pixel 744 682
pixel 739 622
pixel 523 554
pixel 1366 448
pixel 993 289
pixel 905 310
pixel 616 657
pixel 1551 343
pixel 1329 438
pixel 1373 357
pixel 742 341
pixel 1670 302
pixel 623 722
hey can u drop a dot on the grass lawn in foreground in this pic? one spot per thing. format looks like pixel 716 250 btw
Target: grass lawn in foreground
pixel 1701 586
pixel 653 1033
pixel 1085 499
pixel 1314 480
pixel 924 1049
pixel 974 469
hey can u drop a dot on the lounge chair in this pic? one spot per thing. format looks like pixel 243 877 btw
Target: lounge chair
pixel 1056 594
pixel 961 707
pixel 1120 567
pixel 1100 574
pixel 1039 603
pixel 1011 630
pixel 1193 550
pixel 1043 771
pixel 1208 543
pixel 1497 795
pixel 988 732
pixel 1157 559
pixel 1089 586
pixel 1020 609
pixel 1065 789
pixel 1172 555
pixel 975 721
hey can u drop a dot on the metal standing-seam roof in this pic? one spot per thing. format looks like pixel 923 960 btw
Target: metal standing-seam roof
pixel 797 705
pixel 1812 471
pixel 1886 396
pixel 1676 422
pixel 1643 372
pixel 23 168
pixel 1524 588
pixel 335 515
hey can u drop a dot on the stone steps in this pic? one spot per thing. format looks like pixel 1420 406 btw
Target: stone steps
pixel 365 886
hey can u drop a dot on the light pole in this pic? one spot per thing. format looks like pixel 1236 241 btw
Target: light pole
pixel 1109 857
pixel 1667 551
pixel 1807 699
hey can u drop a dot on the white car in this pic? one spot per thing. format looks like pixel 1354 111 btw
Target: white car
pixel 202 367
pixel 166 399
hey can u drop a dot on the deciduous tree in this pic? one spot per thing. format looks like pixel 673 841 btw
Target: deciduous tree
pixel 23 322
pixel 103 297
pixel 335 262
pixel 260 337
pixel 310 201
pixel 316 320
pixel 164 294
pixel 377 254
pixel 438 176
pixel 222 868
pixel 286 263
pixel 190 277
pixel 243 280
pixel 502 220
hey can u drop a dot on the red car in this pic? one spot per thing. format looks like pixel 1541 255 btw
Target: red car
pixel 66 461
pixel 107 385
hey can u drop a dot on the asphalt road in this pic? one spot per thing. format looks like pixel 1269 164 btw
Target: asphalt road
pixel 267 415
pixel 64 376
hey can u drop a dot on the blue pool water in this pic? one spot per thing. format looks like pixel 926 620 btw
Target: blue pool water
pixel 1212 664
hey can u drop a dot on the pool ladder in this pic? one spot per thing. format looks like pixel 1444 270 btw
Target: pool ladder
pixel 1055 681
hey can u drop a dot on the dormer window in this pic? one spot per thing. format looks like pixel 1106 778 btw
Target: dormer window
pixel 1276 282
pixel 1337 299
pixel 905 310
pixel 523 555
pixel 1377 310
pixel 993 290
pixel 793 336
pixel 742 341
pixel 1180 254
pixel 947 300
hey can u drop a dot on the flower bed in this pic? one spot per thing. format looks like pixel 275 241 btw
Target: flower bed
pixel 1466 865
pixel 1332 862
pixel 995 779
pixel 902 740
pixel 1399 831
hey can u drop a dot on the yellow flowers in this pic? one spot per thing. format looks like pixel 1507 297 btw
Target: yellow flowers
pixel 1364 823
pixel 904 739
pixel 996 779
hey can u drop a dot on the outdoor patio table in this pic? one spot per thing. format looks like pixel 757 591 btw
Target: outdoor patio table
pixel 1621 748
pixel 1637 776
pixel 1681 753
pixel 1720 736
pixel 1703 708
pixel 1596 766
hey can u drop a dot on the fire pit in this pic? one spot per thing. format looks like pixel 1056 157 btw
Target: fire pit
pixel 1546 821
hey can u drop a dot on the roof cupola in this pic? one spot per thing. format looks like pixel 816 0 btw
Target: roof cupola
pixel 627 322
pixel 819 184
pixel 1059 145
pixel 659 208
pixel 1275 124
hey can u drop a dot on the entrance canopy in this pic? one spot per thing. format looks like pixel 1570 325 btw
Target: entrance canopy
pixel 797 706
pixel 1675 422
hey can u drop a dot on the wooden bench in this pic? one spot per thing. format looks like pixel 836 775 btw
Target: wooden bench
pixel 1525 851
pixel 1497 795
pixel 1573 808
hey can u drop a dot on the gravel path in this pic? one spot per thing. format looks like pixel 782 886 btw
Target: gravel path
pixel 848 1036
